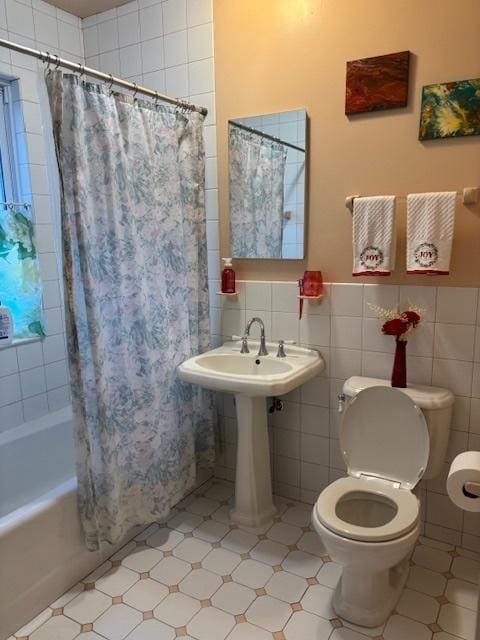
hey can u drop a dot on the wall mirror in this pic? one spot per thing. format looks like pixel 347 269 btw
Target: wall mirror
pixel 266 162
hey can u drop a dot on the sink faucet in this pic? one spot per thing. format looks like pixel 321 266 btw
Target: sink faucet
pixel 263 349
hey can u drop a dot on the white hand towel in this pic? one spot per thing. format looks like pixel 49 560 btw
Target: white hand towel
pixel 373 236
pixel 430 220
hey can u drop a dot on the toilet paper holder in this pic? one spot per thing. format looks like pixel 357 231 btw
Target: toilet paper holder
pixel 472 489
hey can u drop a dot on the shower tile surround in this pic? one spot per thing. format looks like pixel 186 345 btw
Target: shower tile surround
pixel 305 451
pixel 33 375
pixel 198 576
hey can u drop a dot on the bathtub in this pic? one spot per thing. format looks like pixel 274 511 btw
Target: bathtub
pixel 42 552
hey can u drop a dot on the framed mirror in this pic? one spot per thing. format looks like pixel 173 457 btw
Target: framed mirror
pixel 266 161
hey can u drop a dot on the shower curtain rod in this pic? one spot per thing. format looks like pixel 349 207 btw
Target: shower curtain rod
pixel 52 58
pixel 265 135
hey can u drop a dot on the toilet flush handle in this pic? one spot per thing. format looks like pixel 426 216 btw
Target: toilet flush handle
pixel 341 402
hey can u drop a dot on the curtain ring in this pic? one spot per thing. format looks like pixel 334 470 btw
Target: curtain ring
pixel 57 63
pixel 156 99
pixel 82 70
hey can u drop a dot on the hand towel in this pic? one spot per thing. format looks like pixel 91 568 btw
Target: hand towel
pixel 373 236
pixel 430 220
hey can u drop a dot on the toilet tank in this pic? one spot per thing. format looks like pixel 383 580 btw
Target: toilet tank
pixel 436 405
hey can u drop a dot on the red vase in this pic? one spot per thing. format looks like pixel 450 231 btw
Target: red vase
pixel 399 371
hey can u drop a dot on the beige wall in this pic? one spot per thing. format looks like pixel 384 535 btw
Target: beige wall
pixel 275 55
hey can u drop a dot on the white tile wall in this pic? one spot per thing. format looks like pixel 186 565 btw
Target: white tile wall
pixel 304 436
pixel 28 389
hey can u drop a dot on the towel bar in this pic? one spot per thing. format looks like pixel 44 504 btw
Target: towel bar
pixel 469 195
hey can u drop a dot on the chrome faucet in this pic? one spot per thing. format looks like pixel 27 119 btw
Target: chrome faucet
pixel 263 348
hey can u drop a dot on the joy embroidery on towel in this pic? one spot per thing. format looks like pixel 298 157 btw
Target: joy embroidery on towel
pixel 426 254
pixel 371 257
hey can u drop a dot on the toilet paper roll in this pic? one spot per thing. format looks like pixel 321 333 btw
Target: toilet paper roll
pixel 465 469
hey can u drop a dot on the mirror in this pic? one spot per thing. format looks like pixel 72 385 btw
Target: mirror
pixel 266 162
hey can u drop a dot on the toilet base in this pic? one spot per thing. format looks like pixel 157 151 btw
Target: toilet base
pixel 380 594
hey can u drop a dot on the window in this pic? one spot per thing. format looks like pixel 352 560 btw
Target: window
pixel 20 288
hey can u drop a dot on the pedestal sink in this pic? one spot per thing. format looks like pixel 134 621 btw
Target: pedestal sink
pixel 252 379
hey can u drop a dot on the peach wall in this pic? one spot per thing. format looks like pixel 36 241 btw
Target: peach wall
pixel 275 55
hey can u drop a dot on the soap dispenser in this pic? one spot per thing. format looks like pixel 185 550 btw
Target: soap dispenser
pixel 228 276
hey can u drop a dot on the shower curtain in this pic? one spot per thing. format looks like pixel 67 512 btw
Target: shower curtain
pixel 257 170
pixel 136 297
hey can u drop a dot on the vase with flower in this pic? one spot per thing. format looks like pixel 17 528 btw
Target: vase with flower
pixel 400 325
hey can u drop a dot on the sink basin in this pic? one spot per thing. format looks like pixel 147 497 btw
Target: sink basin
pixel 226 369
pixel 252 378
pixel 243 365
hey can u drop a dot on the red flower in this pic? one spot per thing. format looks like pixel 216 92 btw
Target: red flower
pixel 396 327
pixel 411 317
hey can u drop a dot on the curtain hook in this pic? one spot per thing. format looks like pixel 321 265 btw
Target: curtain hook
pixel 135 91
pixel 156 99
pixel 46 58
pixel 109 83
pixel 57 63
pixel 82 70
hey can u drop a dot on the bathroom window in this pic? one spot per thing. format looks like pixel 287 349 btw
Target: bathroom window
pixel 20 288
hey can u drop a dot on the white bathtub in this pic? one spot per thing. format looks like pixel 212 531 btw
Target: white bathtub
pixel 42 552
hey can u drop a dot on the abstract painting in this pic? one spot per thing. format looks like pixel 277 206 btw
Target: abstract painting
pixel 450 109
pixel 378 83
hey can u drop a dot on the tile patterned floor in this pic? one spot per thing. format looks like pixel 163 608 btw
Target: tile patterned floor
pixel 199 577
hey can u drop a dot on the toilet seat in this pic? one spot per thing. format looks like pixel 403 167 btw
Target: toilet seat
pixel 383 434
pixel 385 445
pixel 375 490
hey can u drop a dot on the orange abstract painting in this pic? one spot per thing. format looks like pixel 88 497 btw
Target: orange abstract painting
pixel 377 83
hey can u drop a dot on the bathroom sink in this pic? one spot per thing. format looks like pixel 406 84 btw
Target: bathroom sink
pixel 226 369
pixel 252 378
pixel 243 364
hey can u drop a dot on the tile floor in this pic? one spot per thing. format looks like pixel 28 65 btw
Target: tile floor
pixel 199 577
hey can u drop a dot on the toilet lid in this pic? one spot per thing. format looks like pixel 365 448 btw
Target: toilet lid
pixel 384 434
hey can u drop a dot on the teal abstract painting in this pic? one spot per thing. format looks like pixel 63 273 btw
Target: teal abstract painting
pixel 450 110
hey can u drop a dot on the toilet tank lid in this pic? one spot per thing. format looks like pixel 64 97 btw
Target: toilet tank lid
pixel 424 397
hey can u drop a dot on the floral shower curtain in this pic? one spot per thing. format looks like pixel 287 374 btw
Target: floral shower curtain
pixel 135 272
pixel 257 170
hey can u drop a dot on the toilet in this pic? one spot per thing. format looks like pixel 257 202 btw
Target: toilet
pixel 369 520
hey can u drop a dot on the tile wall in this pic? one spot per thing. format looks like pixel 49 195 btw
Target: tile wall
pixel 444 352
pixel 33 376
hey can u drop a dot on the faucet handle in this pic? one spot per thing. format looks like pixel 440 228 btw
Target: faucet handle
pixel 281 349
